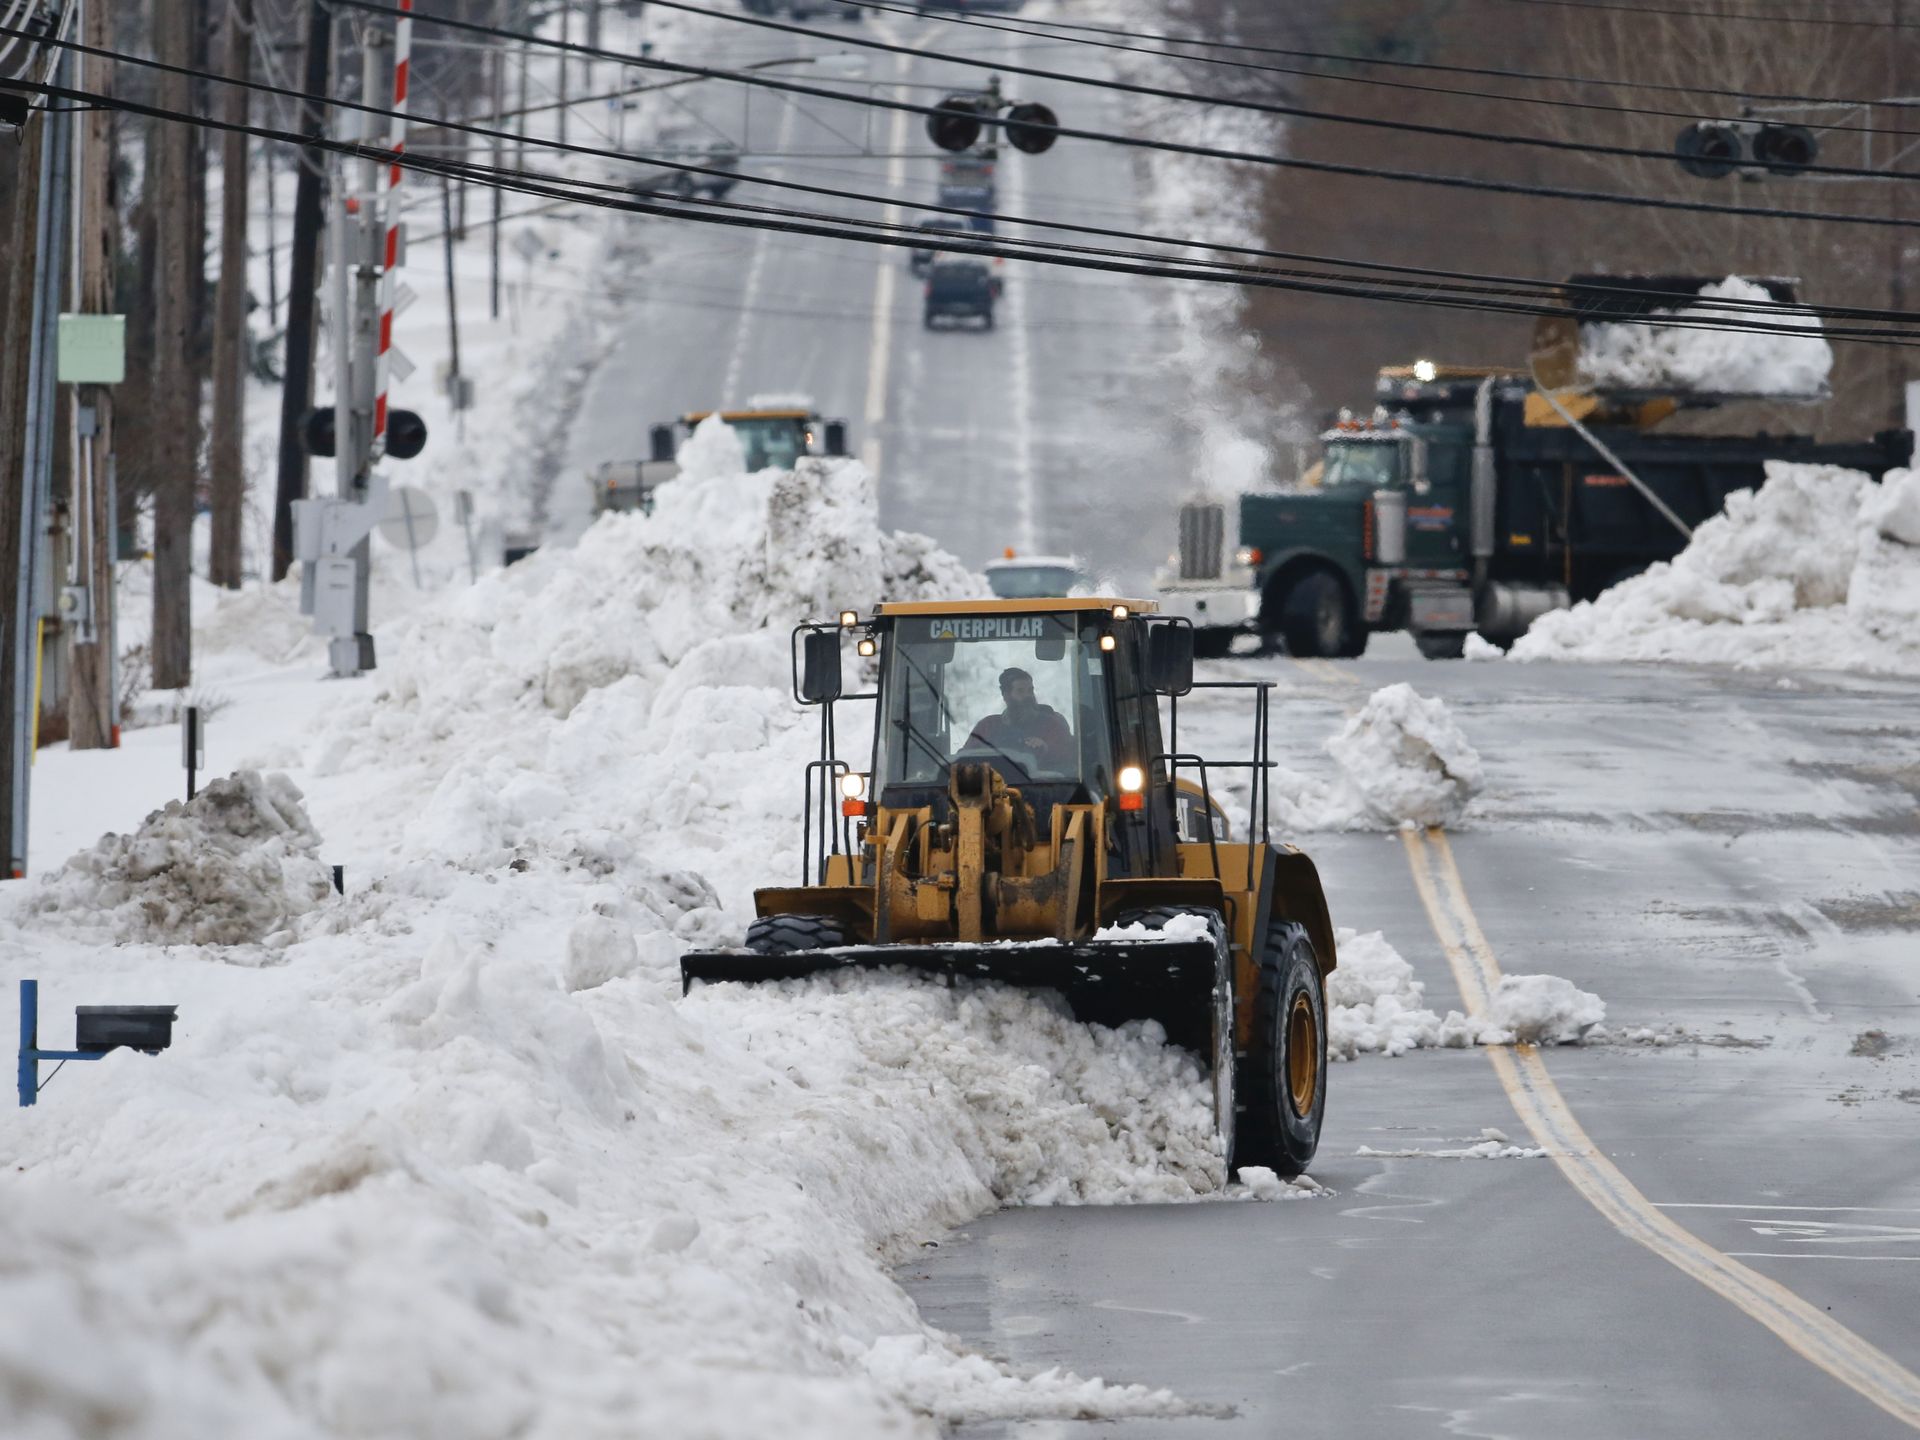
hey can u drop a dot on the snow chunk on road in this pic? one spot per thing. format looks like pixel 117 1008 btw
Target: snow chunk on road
pixel 1406 759
pixel 232 866
pixel 1375 1006
pixel 1713 360
pixel 1815 569
pixel 1402 762
pixel 1539 1010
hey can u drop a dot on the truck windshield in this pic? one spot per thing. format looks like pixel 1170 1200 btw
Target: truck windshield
pixel 771 444
pixel 1371 463
pixel 1025 694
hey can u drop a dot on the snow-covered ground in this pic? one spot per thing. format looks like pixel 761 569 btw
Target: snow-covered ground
pixel 1817 569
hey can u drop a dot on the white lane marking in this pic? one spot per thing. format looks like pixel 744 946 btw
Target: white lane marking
pixel 885 278
pixel 1764 1205
pixel 1022 344
pixel 1809 1255
pixel 750 299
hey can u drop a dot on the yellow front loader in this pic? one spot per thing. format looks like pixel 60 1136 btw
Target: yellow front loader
pixel 1021 820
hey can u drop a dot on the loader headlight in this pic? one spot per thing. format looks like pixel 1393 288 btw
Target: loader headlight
pixel 1107 642
pixel 867 646
pixel 853 785
pixel 1121 612
pixel 849 619
pixel 1133 781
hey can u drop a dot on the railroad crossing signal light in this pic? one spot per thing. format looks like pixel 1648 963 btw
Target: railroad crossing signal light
pixel 1032 127
pixel 954 123
pixel 406 433
pixel 1712 150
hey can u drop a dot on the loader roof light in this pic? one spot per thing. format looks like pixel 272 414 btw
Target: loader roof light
pixel 849 619
pixel 1425 371
pixel 853 785
pixel 1007 554
pixel 1121 612
pixel 1107 642
pixel 867 646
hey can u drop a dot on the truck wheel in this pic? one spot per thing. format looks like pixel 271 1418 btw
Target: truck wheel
pixel 1283 1079
pixel 1214 1045
pixel 1315 618
pixel 785 934
pixel 1442 644
pixel 1211 643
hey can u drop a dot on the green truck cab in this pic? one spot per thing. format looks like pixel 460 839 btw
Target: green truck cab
pixel 1470 501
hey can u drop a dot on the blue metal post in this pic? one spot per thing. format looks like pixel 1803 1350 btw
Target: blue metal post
pixel 29 1041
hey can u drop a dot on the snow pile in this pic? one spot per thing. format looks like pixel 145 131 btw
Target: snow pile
pixel 1818 568
pixel 1539 1010
pixel 1375 1006
pixel 466 1162
pixel 1492 1145
pixel 1793 360
pixel 1260 1183
pixel 233 866
pixel 1402 762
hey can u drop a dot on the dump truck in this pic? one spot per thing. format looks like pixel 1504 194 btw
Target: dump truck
pixel 1479 498
pixel 1025 817
pixel 773 435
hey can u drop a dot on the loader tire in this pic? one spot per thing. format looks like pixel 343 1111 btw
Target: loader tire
pixel 1214 1044
pixel 1283 1077
pixel 784 934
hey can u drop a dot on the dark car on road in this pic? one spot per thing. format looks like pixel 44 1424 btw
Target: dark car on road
pixel 959 290
pixel 946 227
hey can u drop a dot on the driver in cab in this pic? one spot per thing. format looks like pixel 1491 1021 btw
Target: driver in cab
pixel 1027 725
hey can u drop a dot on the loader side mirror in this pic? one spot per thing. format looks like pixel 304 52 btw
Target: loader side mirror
pixel 836 437
pixel 820 667
pixel 660 442
pixel 1170 659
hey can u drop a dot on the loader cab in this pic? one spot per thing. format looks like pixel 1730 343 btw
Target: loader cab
pixel 1057 701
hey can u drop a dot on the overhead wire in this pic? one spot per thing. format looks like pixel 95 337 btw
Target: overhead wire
pixel 735 215
pixel 1262 107
pixel 1021 25
pixel 1465 282
pixel 1210 152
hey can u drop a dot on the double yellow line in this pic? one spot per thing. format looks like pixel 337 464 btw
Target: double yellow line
pixel 1809 1331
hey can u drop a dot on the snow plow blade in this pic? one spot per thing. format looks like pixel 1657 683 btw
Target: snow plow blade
pixel 1107 981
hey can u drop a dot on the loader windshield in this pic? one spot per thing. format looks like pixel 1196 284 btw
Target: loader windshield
pixel 771 442
pixel 1022 693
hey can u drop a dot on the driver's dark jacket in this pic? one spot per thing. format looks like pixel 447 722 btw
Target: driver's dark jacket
pixel 1042 730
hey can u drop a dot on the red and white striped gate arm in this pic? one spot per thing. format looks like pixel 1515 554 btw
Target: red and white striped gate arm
pixel 390 213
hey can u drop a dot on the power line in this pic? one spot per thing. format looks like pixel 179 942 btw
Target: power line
pixel 1464 282
pixel 1014 26
pixel 734 215
pixel 1262 107
pixel 1713 14
pixel 1208 152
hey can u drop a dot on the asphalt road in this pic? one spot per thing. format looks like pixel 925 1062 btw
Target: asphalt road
pixel 1722 858
pixel 1058 432
pixel 1705 851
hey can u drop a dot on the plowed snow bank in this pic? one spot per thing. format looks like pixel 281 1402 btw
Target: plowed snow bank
pixel 1818 568
pixel 1402 760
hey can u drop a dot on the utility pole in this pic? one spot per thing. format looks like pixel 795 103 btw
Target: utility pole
pixel 17 518
pixel 499 103
pixel 92 721
pixel 176 388
pixel 296 397
pixel 225 460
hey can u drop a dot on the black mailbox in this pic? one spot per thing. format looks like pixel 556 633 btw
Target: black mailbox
pixel 100 1028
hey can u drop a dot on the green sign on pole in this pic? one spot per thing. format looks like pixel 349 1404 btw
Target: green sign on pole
pixel 93 350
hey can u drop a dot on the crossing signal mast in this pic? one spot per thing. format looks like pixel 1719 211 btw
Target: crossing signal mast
pixel 959 121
